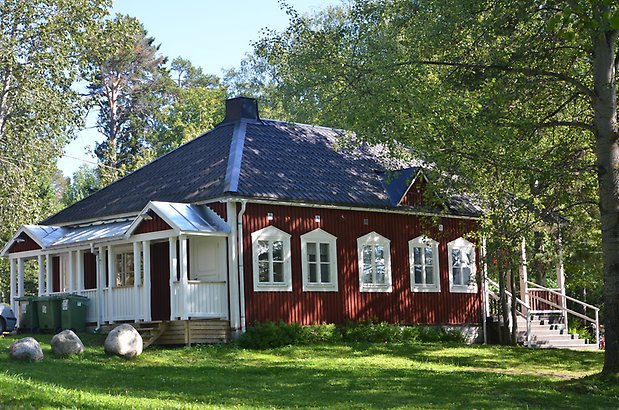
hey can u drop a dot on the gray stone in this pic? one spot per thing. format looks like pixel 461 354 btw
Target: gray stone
pixel 66 343
pixel 26 349
pixel 124 341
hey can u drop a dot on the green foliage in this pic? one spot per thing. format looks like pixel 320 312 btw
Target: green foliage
pixel 383 332
pixel 194 106
pixel 43 54
pixel 85 181
pixel 270 335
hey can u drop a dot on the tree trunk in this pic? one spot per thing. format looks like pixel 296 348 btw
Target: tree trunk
pixel 504 305
pixel 514 306
pixel 607 151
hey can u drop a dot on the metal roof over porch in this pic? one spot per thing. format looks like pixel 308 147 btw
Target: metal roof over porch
pixel 182 218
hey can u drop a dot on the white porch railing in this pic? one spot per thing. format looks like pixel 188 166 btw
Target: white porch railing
pixel 123 305
pixel 557 303
pixel 542 301
pixel 202 300
pixel 92 314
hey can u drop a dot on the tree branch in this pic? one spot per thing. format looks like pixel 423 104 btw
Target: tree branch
pixel 530 72
pixel 573 124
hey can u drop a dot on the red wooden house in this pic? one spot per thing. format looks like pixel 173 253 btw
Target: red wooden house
pixel 261 220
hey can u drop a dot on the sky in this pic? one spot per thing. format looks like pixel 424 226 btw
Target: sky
pixel 212 34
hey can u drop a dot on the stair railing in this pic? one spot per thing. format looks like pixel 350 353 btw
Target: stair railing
pixel 523 309
pixel 562 306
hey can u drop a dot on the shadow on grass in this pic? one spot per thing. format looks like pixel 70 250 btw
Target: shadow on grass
pixel 320 376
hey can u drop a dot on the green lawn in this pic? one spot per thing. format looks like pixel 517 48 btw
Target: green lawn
pixel 340 376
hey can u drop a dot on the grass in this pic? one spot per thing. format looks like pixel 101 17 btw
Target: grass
pixel 338 376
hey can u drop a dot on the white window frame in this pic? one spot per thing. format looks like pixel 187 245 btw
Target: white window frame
pixel 464 246
pixel 424 242
pixel 373 239
pixel 272 234
pixel 319 236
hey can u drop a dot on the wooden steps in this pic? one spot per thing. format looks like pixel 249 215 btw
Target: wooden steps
pixel 549 333
pixel 179 332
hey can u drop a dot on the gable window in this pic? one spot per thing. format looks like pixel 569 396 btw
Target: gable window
pixel 423 255
pixel 319 261
pixel 271 260
pixel 374 254
pixel 462 268
pixel 124 269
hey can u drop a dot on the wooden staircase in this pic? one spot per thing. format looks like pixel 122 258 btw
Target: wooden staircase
pixel 178 332
pixel 151 331
pixel 548 332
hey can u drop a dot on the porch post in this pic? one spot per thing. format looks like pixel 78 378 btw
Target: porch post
pixel 184 281
pixel 13 285
pixel 146 287
pixel 233 270
pixel 524 277
pixel 20 277
pixel 48 274
pixel 137 266
pixel 173 268
pixel 71 271
pixel 101 262
pixel 41 274
pixel 80 271
pixel 98 284
pixel 561 280
pixel 111 277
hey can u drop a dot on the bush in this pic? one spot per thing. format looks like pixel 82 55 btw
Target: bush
pixel 269 335
pixel 390 333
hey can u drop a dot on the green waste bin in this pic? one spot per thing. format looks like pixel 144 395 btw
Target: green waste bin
pixel 48 308
pixel 28 317
pixel 73 312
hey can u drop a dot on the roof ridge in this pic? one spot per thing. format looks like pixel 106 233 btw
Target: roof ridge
pixel 233 170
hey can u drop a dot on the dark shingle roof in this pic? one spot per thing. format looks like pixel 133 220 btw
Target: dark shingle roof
pixel 193 172
pixel 257 159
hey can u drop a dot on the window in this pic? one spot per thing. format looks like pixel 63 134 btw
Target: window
pixel 462 266
pixel 374 263
pixel 423 255
pixel 271 260
pixel 319 261
pixel 124 269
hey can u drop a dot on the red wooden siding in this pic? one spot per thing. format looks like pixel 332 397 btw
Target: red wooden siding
pixel 414 196
pixel 400 306
pixel 90 270
pixel 153 225
pixel 28 244
pixel 55 273
pixel 220 209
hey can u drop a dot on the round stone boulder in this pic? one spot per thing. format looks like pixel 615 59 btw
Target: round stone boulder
pixel 26 349
pixel 124 341
pixel 66 343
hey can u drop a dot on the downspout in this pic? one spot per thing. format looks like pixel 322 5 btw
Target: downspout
pixel 241 271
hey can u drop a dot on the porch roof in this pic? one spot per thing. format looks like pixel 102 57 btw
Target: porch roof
pixel 183 218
